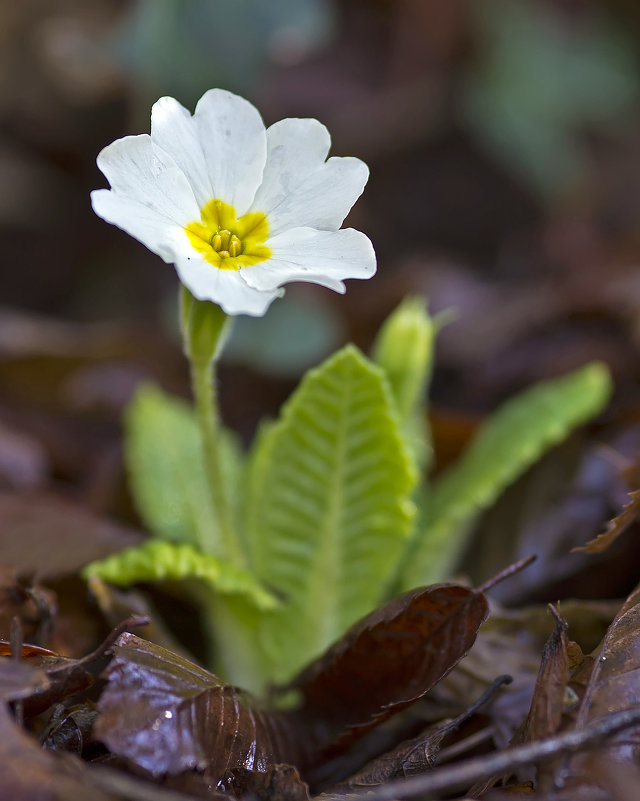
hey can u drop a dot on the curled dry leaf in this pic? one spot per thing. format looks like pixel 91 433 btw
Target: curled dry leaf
pixel 387 661
pixel 615 527
pixel 417 755
pixel 549 696
pixel 44 678
pixel 548 701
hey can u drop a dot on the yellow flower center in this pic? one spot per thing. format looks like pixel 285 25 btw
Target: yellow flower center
pixel 227 242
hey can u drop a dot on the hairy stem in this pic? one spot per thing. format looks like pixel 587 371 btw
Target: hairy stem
pixel 206 400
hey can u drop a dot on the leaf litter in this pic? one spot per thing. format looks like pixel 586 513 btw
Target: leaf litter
pixel 136 707
pixel 133 718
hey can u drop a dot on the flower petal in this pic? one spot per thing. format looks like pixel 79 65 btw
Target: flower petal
pixel 160 234
pixel 224 287
pixel 138 170
pixel 299 188
pixel 320 257
pixel 233 140
pixel 174 130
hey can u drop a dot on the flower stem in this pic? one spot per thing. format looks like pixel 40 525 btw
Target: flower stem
pixel 205 327
pixel 205 394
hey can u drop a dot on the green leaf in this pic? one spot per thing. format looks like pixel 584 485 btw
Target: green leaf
pixel 167 475
pixel 329 509
pixel 404 349
pixel 512 440
pixel 156 560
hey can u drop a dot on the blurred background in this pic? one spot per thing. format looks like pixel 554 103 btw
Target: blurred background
pixel 503 138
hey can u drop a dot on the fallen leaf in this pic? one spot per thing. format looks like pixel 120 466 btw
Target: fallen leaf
pixel 27 772
pixel 615 527
pixel 386 661
pixel 279 783
pixel 547 703
pixel 19 680
pixel 31 522
pixel 168 716
pixel 549 697
pixel 33 605
pixel 416 755
pixel 529 627
pixel 54 678
pixel 613 685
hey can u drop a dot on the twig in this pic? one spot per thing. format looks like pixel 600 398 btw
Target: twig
pixel 463 774
pixel 516 567
pixel 461 746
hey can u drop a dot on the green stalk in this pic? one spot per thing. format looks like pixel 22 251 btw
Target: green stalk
pixel 205 328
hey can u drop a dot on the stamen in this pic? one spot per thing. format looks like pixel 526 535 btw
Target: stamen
pixel 220 240
pixel 235 246
pixel 227 242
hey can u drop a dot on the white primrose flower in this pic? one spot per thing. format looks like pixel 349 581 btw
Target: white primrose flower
pixel 239 210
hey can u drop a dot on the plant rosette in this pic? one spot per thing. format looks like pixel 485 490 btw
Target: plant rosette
pixel 238 208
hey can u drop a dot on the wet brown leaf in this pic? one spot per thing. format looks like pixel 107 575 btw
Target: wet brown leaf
pixel 168 716
pixel 70 730
pixel 387 661
pixel 278 783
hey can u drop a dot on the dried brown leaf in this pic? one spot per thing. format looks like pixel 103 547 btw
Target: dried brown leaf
pixel 416 755
pixel 27 772
pixel 613 685
pixel 44 678
pixel 547 703
pixel 31 522
pixel 31 604
pixel 19 680
pixel 615 527
pixel 387 661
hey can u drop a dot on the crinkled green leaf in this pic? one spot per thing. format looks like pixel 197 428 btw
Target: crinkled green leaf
pixel 167 474
pixel 329 507
pixel 513 439
pixel 156 560
pixel 404 350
